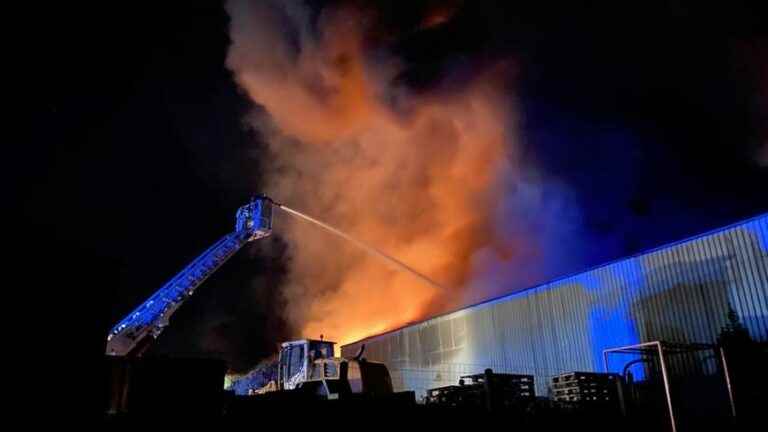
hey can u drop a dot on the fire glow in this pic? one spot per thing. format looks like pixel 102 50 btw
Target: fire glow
pixel 416 175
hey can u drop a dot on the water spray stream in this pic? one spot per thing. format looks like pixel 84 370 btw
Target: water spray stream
pixel 399 265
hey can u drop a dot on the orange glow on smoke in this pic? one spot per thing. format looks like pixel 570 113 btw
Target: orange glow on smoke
pixel 439 15
pixel 417 181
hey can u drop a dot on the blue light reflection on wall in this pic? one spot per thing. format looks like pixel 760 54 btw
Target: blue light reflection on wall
pixel 759 228
pixel 611 323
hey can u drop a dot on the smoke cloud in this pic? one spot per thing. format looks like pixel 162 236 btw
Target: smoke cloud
pixel 433 178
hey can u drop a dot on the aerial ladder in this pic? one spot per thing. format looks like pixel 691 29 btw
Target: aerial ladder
pixel 133 334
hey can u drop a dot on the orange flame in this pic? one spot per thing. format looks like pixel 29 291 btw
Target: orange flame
pixel 416 177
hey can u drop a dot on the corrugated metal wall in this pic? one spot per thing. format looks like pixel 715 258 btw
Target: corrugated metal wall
pixel 678 293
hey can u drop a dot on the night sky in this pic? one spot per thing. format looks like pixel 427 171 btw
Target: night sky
pixel 135 155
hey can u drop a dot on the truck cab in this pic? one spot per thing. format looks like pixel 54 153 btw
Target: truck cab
pixel 308 365
pixel 297 362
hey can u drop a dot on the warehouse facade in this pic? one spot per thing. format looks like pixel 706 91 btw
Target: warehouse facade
pixel 678 293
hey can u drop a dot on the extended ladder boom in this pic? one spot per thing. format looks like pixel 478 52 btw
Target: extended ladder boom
pixel 131 335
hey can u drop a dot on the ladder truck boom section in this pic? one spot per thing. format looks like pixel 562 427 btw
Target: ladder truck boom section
pixel 131 335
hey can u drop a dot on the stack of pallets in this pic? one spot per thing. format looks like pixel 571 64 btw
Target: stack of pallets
pixel 443 396
pixel 506 390
pixel 586 388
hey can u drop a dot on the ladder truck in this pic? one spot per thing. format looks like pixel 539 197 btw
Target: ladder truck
pixel 306 366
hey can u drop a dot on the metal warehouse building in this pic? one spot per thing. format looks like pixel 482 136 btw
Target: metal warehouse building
pixel 677 293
